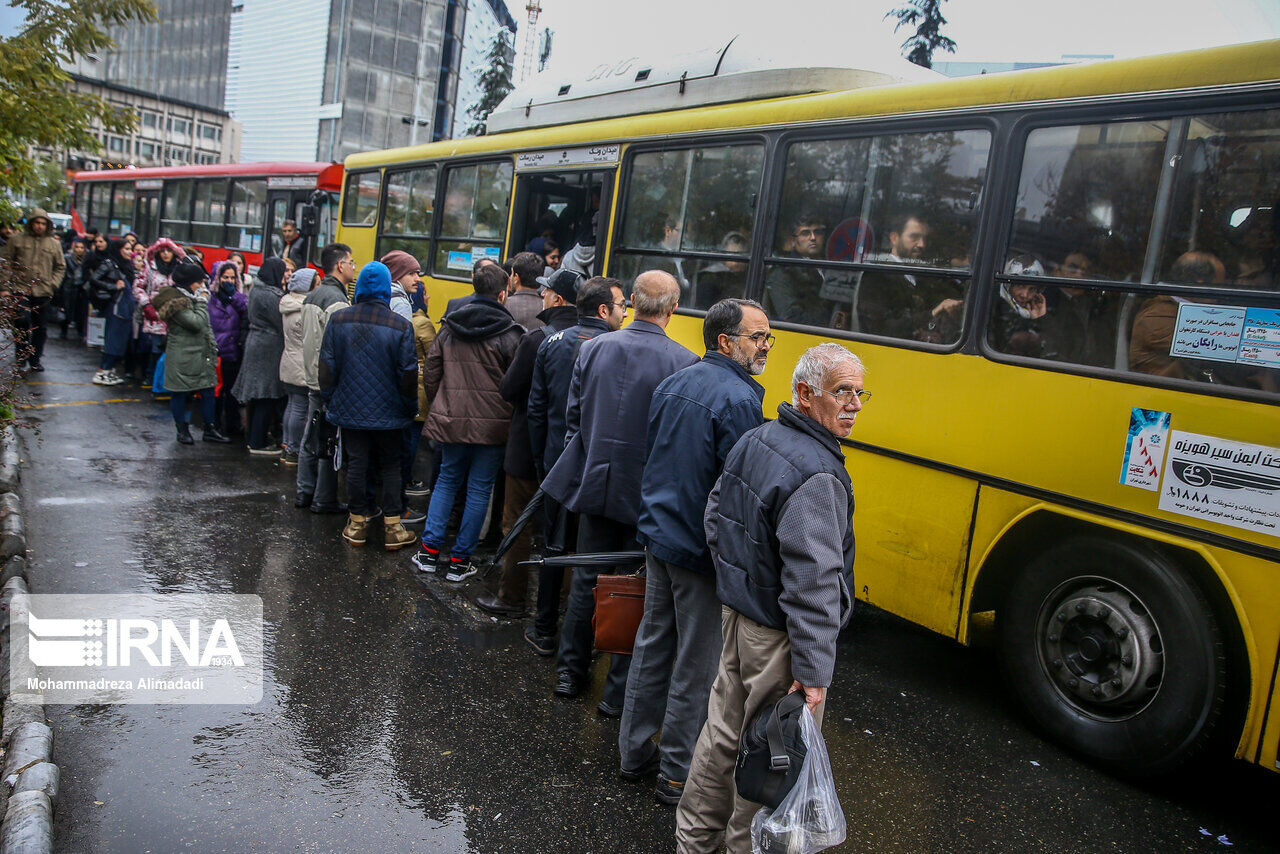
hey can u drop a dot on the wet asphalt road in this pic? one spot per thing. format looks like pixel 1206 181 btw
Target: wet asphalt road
pixel 396 717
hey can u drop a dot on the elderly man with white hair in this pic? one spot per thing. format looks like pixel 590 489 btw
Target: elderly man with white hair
pixel 779 524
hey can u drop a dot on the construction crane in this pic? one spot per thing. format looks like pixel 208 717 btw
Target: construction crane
pixel 534 8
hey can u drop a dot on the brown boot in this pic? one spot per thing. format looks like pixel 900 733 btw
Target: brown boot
pixel 357 530
pixel 397 536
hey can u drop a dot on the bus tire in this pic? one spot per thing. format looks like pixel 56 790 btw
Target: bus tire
pixel 1116 653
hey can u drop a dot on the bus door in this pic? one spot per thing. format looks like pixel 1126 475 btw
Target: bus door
pixel 284 204
pixel 564 206
pixel 147 221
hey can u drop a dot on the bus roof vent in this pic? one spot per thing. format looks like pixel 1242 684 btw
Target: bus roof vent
pixel 743 69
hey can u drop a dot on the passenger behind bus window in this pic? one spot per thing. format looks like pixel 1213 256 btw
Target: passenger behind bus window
pixel 905 305
pixel 1016 327
pixel 1080 326
pixel 663 230
pixel 721 279
pixel 792 293
pixel 1151 337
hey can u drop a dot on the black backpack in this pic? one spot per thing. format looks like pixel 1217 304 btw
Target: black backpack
pixel 771 752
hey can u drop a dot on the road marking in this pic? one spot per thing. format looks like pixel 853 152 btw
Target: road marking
pixel 83 402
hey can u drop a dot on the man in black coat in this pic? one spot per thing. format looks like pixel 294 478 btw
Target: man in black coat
pixel 601 307
pixel 558 313
pixel 598 475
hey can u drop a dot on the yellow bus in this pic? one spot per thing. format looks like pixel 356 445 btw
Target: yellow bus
pixel 1063 282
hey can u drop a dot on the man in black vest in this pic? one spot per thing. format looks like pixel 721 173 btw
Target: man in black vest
pixel 784 486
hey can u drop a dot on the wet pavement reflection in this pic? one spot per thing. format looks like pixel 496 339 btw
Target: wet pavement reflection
pixel 397 717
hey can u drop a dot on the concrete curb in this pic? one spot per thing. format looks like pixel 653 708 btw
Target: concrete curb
pixel 30 779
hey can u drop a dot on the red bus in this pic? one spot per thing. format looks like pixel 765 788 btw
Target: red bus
pixel 220 208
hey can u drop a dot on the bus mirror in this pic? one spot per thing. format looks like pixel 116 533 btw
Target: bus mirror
pixel 309 221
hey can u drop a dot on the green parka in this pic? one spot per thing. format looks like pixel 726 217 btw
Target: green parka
pixel 191 353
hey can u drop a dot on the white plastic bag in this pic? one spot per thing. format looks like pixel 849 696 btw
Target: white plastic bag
pixel 809 819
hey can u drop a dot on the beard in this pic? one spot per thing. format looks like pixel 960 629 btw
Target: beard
pixel 751 363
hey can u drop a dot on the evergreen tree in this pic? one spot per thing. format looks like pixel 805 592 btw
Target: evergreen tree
pixel 36 97
pixel 495 80
pixel 926 17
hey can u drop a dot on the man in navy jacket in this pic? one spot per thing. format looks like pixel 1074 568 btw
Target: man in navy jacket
pixel 697 416
pixel 369 380
pixel 598 475
pixel 601 308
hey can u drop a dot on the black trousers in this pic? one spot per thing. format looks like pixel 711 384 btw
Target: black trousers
pixel 228 407
pixel 372 455
pixel 562 538
pixel 263 413
pixel 595 534
pixel 39 327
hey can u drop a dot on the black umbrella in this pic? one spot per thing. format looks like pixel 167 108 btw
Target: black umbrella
pixel 521 521
pixel 601 559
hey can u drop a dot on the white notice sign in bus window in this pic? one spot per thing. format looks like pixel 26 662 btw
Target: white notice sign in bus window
pixel 1233 483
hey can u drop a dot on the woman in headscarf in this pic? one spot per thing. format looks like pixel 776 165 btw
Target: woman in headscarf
pixel 246 278
pixel 259 381
pixel 291 374
pixel 153 274
pixel 191 357
pixel 229 317
pixel 112 278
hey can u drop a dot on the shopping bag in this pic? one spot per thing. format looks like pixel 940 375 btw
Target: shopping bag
pixel 157 381
pixel 809 819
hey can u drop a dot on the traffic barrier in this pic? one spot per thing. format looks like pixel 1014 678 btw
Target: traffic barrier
pixel 9 460
pixel 41 777
pixel 28 824
pixel 31 743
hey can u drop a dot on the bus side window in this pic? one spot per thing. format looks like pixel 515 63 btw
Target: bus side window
pixel 1184 200
pixel 473 217
pixel 408 212
pixel 690 212
pixel 903 200
pixel 360 198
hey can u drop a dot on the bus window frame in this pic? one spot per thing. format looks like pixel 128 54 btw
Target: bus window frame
pixel 381 172
pixel 872 127
pixel 226 204
pixel 226 216
pixel 437 212
pixel 170 185
pixel 430 239
pixel 685 142
pixel 1019 130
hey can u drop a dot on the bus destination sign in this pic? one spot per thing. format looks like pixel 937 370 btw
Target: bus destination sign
pixel 559 158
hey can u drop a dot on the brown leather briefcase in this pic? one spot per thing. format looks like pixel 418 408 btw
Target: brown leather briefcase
pixel 619 607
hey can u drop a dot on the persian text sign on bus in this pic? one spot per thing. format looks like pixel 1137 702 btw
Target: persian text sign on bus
pixel 1233 483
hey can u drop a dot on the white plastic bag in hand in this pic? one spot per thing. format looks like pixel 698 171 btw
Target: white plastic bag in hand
pixel 809 819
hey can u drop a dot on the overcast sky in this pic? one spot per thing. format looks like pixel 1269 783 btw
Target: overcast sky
pixel 984 30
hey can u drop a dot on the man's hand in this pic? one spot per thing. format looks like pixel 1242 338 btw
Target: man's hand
pixel 947 306
pixel 812 696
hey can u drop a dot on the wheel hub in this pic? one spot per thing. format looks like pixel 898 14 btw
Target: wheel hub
pixel 1100 647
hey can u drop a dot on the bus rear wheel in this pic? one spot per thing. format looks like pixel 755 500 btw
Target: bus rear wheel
pixel 1115 653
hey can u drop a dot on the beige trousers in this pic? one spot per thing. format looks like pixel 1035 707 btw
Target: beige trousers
pixel 755 670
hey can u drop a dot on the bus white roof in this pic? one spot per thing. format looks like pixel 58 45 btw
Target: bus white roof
pixel 746 68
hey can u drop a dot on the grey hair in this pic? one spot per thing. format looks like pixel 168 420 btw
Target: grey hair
pixel 655 294
pixel 817 363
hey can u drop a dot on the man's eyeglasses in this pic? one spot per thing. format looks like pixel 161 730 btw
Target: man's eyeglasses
pixel 350 261
pixel 845 396
pixel 624 305
pixel 757 338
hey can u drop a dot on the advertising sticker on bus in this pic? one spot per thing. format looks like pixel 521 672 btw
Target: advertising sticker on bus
pixel 1144 450
pixel 1233 483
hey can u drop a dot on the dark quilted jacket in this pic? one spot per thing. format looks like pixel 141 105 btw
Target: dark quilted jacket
pixel 464 366
pixel 368 369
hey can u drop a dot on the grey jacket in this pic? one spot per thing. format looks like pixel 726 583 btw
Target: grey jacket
pixel 525 305
pixel 317 308
pixel 607 416
pixel 779 523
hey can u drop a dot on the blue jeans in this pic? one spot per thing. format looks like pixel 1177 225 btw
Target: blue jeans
pixel 478 466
